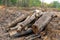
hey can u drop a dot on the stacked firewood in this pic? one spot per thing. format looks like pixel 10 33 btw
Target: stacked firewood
pixel 31 25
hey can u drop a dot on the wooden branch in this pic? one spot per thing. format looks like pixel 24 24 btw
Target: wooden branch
pixel 22 17
pixel 18 34
pixel 32 37
pixel 40 24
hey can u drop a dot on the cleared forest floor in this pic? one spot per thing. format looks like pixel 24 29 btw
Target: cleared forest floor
pixel 51 32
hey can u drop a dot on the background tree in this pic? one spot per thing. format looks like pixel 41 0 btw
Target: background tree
pixel 34 2
pixel 29 3
pixel 55 4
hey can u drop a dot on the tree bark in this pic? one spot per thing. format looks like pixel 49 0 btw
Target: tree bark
pixel 22 17
pixel 18 34
pixel 40 24
pixel 33 36
pixel 29 19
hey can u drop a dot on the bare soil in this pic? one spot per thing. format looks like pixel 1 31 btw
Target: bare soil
pixel 52 31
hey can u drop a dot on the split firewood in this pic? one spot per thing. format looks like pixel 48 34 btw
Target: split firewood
pixel 40 24
pixel 22 17
pixel 29 19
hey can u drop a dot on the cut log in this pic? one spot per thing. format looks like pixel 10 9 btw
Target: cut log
pixel 27 21
pixel 18 34
pixel 32 37
pixel 20 18
pixel 40 24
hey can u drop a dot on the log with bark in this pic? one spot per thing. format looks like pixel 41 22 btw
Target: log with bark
pixel 20 18
pixel 40 24
pixel 18 34
pixel 33 36
pixel 29 19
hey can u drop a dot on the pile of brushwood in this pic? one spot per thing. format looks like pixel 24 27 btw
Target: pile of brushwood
pixel 35 25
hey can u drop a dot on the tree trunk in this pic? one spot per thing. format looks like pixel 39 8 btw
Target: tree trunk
pixel 40 24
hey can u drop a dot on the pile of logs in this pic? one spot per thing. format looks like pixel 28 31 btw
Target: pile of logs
pixel 30 23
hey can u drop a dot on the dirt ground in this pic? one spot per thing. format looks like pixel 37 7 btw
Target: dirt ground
pixel 5 18
pixel 52 30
